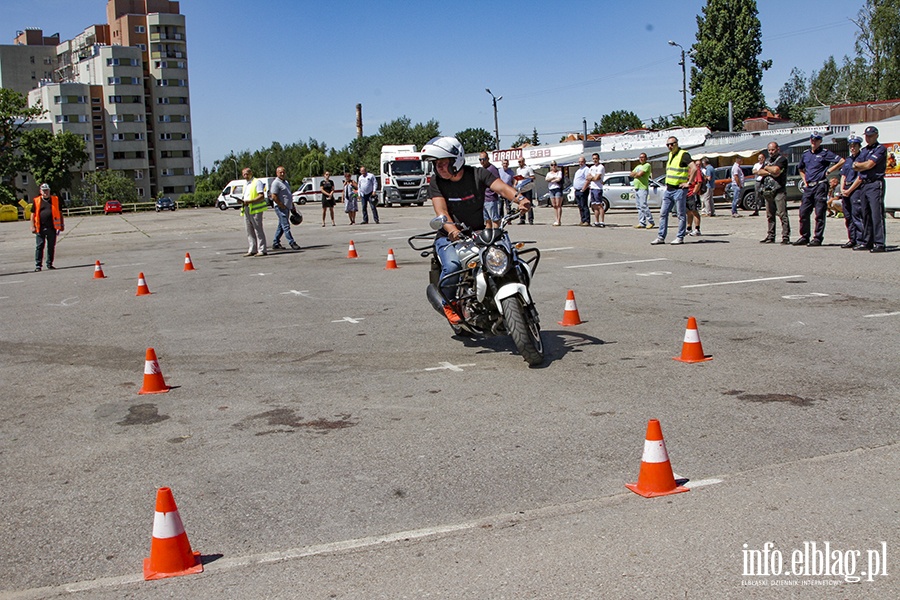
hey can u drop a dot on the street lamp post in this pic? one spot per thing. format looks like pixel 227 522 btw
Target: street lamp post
pixel 496 126
pixel 235 166
pixel 683 77
pixel 267 163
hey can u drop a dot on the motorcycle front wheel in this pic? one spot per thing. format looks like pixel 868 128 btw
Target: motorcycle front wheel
pixel 525 332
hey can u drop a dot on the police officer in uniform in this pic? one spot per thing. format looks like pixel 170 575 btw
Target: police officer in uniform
pixel 816 165
pixel 871 164
pixel 850 199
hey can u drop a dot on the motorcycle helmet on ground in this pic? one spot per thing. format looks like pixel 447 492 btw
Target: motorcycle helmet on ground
pixel 445 147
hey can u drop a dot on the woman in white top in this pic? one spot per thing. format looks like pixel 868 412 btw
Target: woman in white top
pixel 554 183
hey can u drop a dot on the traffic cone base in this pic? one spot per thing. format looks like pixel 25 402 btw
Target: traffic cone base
pixel 391 263
pixel 692 349
pixel 170 550
pixel 570 314
pixel 143 289
pixel 188 265
pixel 656 477
pixel 98 271
pixel 153 377
pixel 351 253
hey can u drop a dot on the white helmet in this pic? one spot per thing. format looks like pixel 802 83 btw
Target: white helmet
pixel 445 147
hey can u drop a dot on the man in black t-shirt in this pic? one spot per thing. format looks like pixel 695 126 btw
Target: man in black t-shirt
pixel 457 193
pixel 775 168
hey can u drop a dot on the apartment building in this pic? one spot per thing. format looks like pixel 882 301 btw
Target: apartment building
pixel 123 86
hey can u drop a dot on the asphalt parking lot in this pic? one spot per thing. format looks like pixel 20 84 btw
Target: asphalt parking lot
pixel 325 437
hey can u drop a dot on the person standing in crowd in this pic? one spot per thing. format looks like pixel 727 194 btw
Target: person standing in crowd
pixel 507 176
pixel 692 200
pixel 641 174
pixel 580 186
pixel 709 203
pixel 736 185
pixel 679 169
pixel 850 202
pixel 327 189
pixel 280 193
pixel 776 201
pixel 554 185
pixel 351 204
pixel 46 224
pixel 525 186
pixel 253 207
pixel 366 186
pixel 816 165
pixel 492 201
pixel 871 165
pixel 598 174
pixel 757 185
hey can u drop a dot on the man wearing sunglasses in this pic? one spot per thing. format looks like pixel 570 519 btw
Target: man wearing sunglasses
pixel 679 170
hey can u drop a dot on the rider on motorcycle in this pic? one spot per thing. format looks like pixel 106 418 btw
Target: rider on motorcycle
pixel 457 193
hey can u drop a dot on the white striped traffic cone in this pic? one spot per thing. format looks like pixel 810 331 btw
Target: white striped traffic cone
pixel 570 314
pixel 656 477
pixel 153 377
pixel 692 349
pixel 170 550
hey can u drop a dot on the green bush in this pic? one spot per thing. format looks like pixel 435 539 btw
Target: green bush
pixel 194 199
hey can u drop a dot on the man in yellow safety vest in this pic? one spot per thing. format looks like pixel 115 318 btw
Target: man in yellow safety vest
pixel 253 208
pixel 679 169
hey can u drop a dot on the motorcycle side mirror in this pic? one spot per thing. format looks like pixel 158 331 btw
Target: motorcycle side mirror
pixel 438 222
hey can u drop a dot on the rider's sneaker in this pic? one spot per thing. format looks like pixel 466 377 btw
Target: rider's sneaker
pixel 451 315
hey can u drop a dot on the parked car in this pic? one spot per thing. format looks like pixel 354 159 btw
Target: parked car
pixel 618 191
pixel 112 206
pixel 165 203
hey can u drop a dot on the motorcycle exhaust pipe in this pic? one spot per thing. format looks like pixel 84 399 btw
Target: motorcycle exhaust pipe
pixel 434 298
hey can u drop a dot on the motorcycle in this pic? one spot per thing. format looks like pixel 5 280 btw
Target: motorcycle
pixel 492 289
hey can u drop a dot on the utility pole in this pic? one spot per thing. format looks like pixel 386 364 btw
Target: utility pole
pixel 496 126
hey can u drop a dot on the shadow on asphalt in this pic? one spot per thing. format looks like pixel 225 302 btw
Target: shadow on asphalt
pixel 557 344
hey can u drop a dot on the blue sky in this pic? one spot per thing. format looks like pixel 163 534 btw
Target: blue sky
pixel 287 71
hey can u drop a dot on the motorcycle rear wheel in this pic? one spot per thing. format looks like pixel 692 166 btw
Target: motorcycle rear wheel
pixel 525 332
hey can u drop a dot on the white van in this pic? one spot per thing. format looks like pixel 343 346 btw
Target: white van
pixel 233 194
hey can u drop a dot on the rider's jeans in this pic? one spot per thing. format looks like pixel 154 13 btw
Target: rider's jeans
pixel 449 258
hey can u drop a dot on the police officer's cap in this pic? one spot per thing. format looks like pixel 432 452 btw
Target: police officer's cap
pixel 871 130
pixel 854 139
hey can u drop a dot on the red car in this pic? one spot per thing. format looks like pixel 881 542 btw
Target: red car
pixel 112 206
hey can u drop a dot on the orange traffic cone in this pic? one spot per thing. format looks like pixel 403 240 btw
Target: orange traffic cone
pixel 188 265
pixel 170 550
pixel 391 263
pixel 656 477
pixel 142 290
pixel 570 314
pixel 98 271
pixel 692 349
pixel 153 377
pixel 352 252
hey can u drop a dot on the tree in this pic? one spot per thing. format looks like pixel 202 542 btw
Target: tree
pixel 878 42
pixel 15 115
pixel 619 121
pixel 535 141
pixel 476 139
pixel 51 157
pixel 727 65
pixel 522 140
pixel 101 186
pixel 793 99
pixel 823 84
pixel 661 122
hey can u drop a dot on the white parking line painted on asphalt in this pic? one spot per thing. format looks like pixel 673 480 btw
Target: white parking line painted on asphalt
pixel 350 320
pixel 450 367
pixel 14 281
pixel 118 266
pixel 801 296
pixel 556 249
pixel 698 285
pixel 65 302
pixel 304 293
pixel 357 232
pixel 609 264
pixel 653 273
pixel 890 314
pixel 701 482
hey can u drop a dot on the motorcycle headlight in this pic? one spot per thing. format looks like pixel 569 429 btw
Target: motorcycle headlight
pixel 496 261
